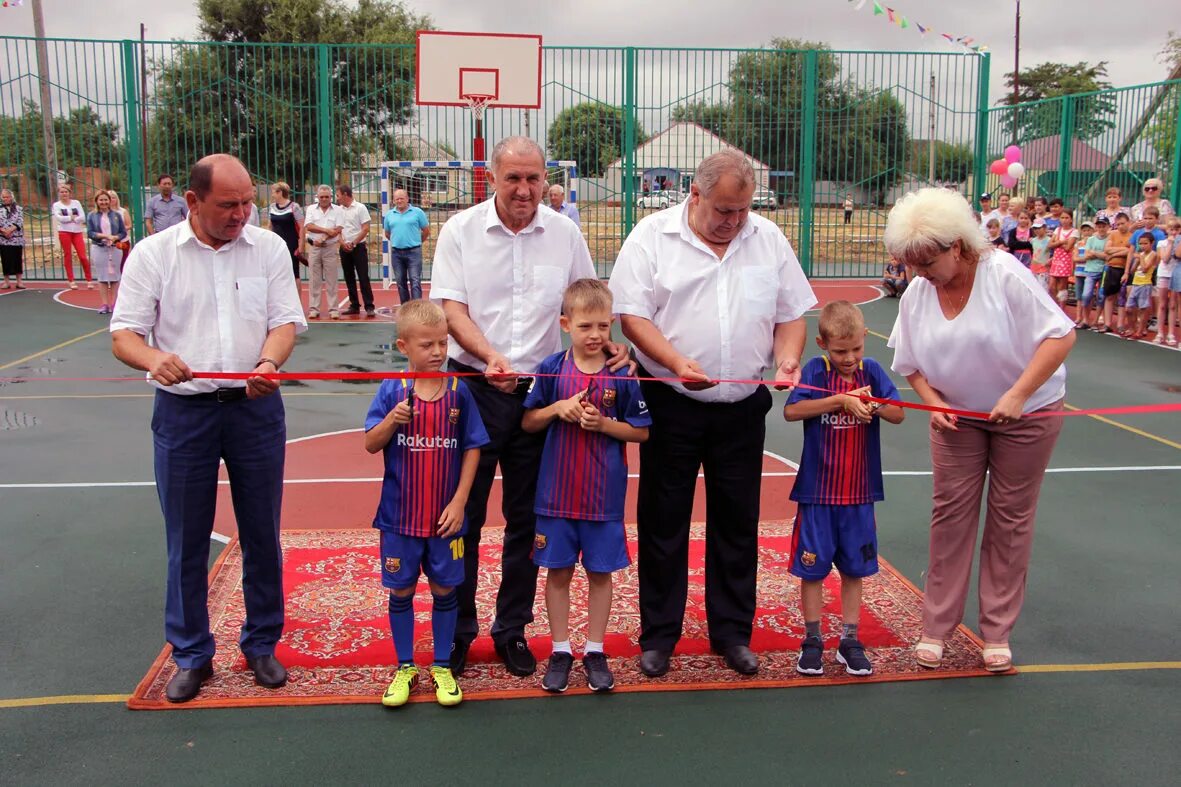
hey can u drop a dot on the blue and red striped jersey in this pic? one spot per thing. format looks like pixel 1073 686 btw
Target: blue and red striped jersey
pixel 584 474
pixel 842 458
pixel 423 458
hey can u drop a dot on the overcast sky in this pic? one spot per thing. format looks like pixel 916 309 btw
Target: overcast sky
pixel 1063 31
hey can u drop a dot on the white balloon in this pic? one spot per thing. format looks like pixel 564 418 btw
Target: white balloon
pixel 1016 169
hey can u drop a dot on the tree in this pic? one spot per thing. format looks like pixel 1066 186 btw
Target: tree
pixel 83 140
pixel 715 118
pixel 591 134
pixel 861 133
pixel 1162 132
pixel 261 102
pixel 953 163
pixel 1037 115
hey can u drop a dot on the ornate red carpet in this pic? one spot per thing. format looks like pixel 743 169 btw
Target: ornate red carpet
pixel 337 647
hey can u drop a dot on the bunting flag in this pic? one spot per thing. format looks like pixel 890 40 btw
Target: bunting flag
pixel 12 3
pixel 896 17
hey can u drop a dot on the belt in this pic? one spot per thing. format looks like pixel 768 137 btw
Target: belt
pixel 407 248
pixel 221 395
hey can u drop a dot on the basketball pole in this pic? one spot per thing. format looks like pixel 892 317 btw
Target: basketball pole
pixel 478 154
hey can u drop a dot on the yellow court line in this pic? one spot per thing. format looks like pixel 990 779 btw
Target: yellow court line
pixel 879 335
pixel 47 350
pixel 1119 666
pixel 64 699
pixel 1131 429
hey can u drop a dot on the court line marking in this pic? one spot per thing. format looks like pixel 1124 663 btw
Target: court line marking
pixel 48 350
pixel 1125 427
pixel 58 297
pixel 1044 669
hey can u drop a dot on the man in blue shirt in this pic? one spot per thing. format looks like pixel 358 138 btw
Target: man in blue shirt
pixel 164 210
pixel 407 228
pixel 557 201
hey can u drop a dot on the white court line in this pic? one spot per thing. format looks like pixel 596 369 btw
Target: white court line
pixel 377 479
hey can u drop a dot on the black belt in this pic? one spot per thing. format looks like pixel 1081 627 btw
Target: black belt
pixel 221 395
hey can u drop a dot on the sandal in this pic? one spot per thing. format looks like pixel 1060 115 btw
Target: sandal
pixel 1002 658
pixel 929 654
pixel 1159 339
pixel 1171 341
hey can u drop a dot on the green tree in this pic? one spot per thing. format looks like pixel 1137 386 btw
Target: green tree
pixel 591 134
pixel 953 163
pixel 1038 116
pixel 715 118
pixel 261 102
pixel 83 140
pixel 861 133
pixel 1162 132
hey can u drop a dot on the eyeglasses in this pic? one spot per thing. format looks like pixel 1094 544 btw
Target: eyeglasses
pixel 1152 188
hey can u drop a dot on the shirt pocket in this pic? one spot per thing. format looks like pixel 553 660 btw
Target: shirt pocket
pixel 549 282
pixel 760 288
pixel 252 298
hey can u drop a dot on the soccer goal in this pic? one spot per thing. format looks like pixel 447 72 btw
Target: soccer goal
pixel 442 187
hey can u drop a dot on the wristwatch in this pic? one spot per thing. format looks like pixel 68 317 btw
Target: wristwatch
pixel 271 361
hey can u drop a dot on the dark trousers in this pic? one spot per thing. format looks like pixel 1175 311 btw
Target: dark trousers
pixel 727 440
pixel 518 453
pixel 191 436
pixel 355 265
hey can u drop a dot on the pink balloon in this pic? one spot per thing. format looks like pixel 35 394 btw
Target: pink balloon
pixel 1008 182
pixel 1012 154
pixel 999 167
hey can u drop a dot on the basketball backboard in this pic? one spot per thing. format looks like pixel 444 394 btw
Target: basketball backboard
pixel 453 68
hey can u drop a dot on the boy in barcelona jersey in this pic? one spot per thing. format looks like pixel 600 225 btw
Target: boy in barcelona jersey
pixel 589 412
pixel 430 434
pixel 839 480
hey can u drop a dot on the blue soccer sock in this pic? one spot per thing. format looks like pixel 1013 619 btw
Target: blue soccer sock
pixel 402 627
pixel 444 614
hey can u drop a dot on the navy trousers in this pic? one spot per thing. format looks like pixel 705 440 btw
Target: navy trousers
pixel 191 437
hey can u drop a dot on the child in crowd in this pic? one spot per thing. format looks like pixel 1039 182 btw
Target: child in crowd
pixel 1166 297
pixel 590 412
pixel 896 278
pixel 1112 208
pixel 839 480
pixel 430 433
pixel 1084 283
pixel 1062 244
pixel 994 233
pixel 1040 209
pixel 1116 251
pixel 1054 218
pixel 1040 262
pixel 1141 270
pixel 1018 241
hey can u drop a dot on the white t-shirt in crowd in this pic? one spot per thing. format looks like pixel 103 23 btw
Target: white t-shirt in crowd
pixel 974 358
pixel 986 217
pixel 353 218
pixel 1166 261
pixel 70 216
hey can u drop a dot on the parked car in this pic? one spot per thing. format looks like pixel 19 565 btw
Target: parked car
pixel 764 198
pixel 660 199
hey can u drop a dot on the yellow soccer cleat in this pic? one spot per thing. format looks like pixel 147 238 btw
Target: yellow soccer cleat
pixel 446 689
pixel 399 689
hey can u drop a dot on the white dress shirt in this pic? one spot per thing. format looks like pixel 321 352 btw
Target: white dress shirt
pixel 974 358
pixel 721 313
pixel 512 283
pixel 328 219
pixel 353 218
pixel 211 307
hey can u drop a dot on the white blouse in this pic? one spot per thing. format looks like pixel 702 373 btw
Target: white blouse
pixel 70 216
pixel 974 358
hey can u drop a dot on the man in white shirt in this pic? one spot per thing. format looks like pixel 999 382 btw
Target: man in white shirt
pixel 322 228
pixel 707 290
pixel 354 257
pixel 212 294
pixel 500 269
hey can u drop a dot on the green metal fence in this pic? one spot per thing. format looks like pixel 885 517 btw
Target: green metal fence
pixel 820 125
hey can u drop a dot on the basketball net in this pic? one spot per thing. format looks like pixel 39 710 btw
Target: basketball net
pixel 477 104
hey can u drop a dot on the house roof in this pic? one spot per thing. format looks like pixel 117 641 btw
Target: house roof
pixel 421 150
pixel 1043 153
pixel 682 146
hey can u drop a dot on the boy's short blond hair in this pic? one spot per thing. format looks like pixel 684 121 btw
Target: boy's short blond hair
pixel 419 313
pixel 841 320
pixel 588 295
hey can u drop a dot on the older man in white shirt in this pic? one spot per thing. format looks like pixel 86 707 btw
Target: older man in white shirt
pixel 707 291
pixel 500 269
pixel 214 294
pixel 322 229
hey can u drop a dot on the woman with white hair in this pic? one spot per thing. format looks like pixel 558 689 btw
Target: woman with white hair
pixel 1153 189
pixel 976 332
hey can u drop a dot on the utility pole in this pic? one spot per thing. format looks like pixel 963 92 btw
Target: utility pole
pixel 1016 67
pixel 46 104
pixel 931 136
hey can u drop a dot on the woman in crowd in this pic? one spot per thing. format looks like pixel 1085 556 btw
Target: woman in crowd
pixel 1152 198
pixel 970 301
pixel 286 220
pixel 106 230
pixel 12 239
pixel 70 217
pixel 123 246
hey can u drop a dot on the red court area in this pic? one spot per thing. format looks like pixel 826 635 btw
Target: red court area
pixel 333 483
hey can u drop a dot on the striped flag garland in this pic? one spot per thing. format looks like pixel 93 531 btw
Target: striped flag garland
pixel 12 3
pixel 877 8
pixel 898 18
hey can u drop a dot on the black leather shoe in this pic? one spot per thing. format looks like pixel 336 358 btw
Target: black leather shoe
pixel 187 682
pixel 268 672
pixel 741 659
pixel 459 649
pixel 517 657
pixel 352 310
pixel 654 663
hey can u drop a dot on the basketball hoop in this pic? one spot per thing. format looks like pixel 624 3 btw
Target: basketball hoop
pixel 477 103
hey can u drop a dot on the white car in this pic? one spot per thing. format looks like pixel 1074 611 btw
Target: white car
pixel 764 198
pixel 660 199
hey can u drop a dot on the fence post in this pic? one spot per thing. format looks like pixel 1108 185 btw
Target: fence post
pixel 1175 175
pixel 629 139
pixel 980 164
pixel 135 163
pixel 807 166
pixel 324 162
pixel 1065 146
